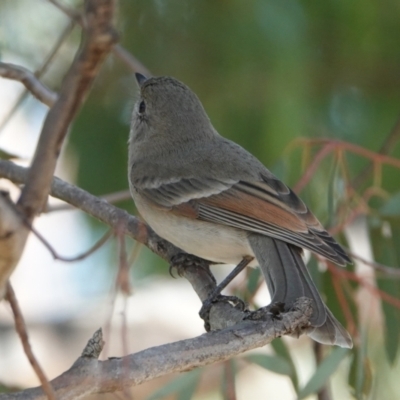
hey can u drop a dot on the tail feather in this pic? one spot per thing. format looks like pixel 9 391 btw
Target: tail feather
pixel 288 279
pixel 332 332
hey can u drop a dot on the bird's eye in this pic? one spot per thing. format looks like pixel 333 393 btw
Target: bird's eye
pixel 142 107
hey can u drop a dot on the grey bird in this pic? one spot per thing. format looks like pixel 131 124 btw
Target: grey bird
pixel 213 199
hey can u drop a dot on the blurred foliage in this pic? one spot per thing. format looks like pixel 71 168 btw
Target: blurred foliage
pixel 268 72
pixel 184 386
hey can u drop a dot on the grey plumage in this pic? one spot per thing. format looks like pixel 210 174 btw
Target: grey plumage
pixel 213 199
pixel 287 279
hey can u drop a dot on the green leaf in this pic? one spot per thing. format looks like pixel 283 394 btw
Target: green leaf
pixel 5 155
pixel 281 350
pixel 188 391
pixel 392 206
pixel 9 389
pixel 253 277
pixel 228 384
pixel 184 386
pixel 334 193
pixel 361 376
pixel 386 251
pixel 275 364
pixel 323 372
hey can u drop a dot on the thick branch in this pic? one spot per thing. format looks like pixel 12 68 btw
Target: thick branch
pixel 98 40
pixel 202 282
pixel 97 208
pixel 92 376
pixel 13 236
pixel 89 376
pixel 31 82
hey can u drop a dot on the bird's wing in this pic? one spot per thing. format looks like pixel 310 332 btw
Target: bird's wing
pixel 266 206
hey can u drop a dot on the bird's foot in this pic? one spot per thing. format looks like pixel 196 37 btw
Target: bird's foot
pixel 181 261
pixel 207 304
pixel 273 310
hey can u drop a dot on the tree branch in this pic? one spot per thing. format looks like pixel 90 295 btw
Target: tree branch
pixel 21 330
pixel 97 208
pixel 39 72
pixel 124 55
pixel 98 40
pixel 13 234
pixel 90 376
pixel 33 84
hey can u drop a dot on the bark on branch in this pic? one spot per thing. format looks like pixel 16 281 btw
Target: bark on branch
pixel 97 208
pixel 92 376
pixel 13 236
pixel 89 375
pixel 98 39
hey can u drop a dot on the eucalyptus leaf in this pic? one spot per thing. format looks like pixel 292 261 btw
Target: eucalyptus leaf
pixel 5 155
pixel 275 364
pixel 392 206
pixel 361 376
pixel 323 372
pixel 386 251
pixel 282 350
pixel 184 386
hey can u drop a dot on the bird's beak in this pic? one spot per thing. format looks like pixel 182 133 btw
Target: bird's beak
pixel 140 79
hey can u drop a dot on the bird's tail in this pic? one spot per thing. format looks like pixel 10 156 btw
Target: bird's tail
pixel 288 279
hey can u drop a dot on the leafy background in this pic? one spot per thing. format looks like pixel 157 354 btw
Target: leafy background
pixel 268 73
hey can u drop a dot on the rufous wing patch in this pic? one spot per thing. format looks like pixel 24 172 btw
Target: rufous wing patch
pixel 253 207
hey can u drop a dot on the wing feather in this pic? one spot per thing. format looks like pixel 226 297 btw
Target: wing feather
pixel 266 206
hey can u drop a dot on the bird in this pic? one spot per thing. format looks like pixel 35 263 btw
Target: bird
pixel 213 199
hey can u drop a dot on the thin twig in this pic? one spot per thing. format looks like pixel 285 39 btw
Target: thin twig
pixel 328 146
pixel 383 269
pixel 26 77
pixel 39 72
pixel 79 257
pixel 229 381
pixel 337 145
pixel 122 281
pixel 130 60
pixel 73 14
pixel 312 168
pixel 324 393
pixel 20 327
pixel 387 146
pixel 107 325
pixel 350 322
pixel 49 247
pixel 124 55
pixel 394 301
pixel 124 340
pixel 137 247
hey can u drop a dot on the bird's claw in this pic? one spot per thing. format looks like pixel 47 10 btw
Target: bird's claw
pixel 207 304
pixel 181 261
pixel 273 310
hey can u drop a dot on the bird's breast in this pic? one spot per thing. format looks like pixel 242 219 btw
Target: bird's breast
pixel 214 242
